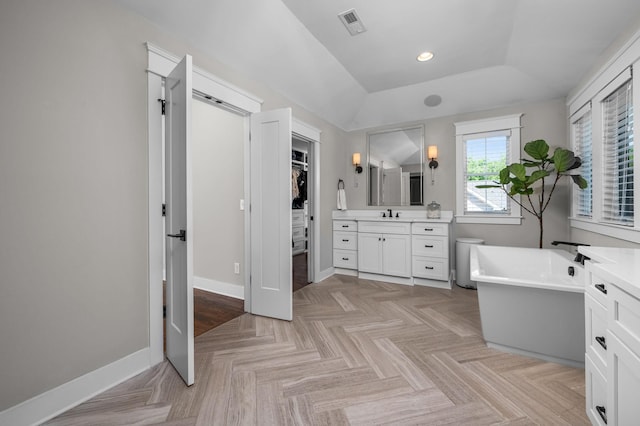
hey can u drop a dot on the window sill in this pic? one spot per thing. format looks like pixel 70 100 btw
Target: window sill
pixel 615 231
pixel 490 220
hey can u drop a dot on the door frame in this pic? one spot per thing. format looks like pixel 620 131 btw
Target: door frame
pixel 160 63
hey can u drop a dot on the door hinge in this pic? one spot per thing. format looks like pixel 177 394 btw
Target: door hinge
pixel 164 210
pixel 164 103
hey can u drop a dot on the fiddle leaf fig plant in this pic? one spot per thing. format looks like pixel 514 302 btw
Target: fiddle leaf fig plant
pixel 524 182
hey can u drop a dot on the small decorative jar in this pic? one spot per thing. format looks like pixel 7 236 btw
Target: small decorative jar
pixel 433 210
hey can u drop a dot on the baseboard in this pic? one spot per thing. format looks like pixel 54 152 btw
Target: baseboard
pixel 323 275
pixel 385 278
pixel 53 402
pixel 219 287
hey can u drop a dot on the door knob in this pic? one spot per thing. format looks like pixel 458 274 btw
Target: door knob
pixel 182 235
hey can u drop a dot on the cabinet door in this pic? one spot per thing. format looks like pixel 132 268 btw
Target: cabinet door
pixel 370 253
pixel 623 381
pixel 396 255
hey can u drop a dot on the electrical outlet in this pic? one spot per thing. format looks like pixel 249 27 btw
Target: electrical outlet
pixel 236 268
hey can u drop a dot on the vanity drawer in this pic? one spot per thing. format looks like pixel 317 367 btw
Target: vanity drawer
pixel 426 228
pixel 598 288
pixel 429 267
pixel 624 317
pixel 381 227
pixel 345 240
pixel 596 391
pixel 345 225
pixel 297 217
pixel 347 259
pixel 595 317
pixel 298 247
pixel 430 246
pixel 297 233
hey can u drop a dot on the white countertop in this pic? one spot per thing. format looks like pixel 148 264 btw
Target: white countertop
pixel 418 216
pixel 618 265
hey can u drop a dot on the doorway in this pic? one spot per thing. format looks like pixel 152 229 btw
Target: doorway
pixel 222 93
pixel 301 205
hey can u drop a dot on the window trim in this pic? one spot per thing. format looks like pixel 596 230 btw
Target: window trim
pixel 464 128
pixel 596 224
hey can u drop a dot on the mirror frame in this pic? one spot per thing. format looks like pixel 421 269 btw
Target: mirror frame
pixel 422 164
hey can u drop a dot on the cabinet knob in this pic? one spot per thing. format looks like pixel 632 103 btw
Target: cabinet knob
pixel 601 287
pixel 346 241
pixel 345 258
pixel 428 229
pixel 428 267
pixel 428 246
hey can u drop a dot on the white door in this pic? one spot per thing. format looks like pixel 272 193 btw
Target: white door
pixel 392 186
pixel 270 212
pixel 179 220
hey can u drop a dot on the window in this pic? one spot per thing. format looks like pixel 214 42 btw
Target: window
pixel 581 136
pixel 483 148
pixel 617 138
pixel 602 133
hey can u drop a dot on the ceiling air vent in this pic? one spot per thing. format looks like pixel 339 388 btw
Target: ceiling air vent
pixel 352 22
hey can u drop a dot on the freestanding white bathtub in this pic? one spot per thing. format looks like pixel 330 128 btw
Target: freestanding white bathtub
pixel 529 302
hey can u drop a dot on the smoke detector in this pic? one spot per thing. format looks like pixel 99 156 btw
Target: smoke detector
pixel 352 22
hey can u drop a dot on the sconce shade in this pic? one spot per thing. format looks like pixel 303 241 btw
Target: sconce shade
pixel 355 159
pixel 432 152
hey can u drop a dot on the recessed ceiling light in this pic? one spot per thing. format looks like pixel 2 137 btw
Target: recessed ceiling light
pixel 424 56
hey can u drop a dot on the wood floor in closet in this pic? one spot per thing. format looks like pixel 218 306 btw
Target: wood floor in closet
pixel 357 352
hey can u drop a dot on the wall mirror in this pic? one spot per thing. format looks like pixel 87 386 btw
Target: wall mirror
pixel 395 160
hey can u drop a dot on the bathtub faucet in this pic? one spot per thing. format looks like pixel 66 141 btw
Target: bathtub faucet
pixel 580 258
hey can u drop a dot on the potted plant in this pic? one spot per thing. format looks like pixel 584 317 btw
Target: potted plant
pixel 515 179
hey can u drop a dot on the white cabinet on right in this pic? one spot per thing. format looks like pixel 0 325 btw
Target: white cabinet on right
pixel 430 254
pixel 612 337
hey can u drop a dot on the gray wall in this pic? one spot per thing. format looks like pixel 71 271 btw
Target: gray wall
pixel 543 120
pixel 218 186
pixel 73 179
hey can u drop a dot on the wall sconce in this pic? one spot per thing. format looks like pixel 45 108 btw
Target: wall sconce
pixel 432 155
pixel 356 162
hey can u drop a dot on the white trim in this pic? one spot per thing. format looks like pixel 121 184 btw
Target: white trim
pixel 162 62
pixel 347 272
pixel 490 219
pixel 614 231
pixel 464 128
pixel 424 282
pixel 305 130
pixel 628 54
pixel 488 124
pixel 68 395
pixel 330 271
pixel 219 287
pixel 386 278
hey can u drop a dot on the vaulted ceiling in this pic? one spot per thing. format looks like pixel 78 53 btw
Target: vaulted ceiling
pixel 487 53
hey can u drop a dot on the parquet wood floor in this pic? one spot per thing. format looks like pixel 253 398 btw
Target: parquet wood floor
pixel 357 352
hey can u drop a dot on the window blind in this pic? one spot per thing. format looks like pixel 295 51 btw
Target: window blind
pixel 485 154
pixel 582 147
pixel 618 199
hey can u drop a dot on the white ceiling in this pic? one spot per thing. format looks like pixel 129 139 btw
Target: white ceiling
pixel 488 54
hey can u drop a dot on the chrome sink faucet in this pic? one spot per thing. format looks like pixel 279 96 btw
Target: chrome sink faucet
pixel 390 212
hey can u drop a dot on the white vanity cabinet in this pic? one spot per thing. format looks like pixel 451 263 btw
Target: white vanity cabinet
pixel 345 245
pixel 612 336
pixel 384 248
pixel 430 248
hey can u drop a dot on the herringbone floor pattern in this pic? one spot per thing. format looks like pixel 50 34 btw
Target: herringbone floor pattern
pixel 357 352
